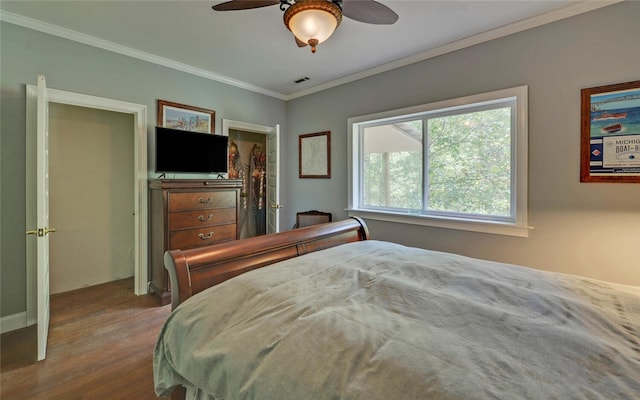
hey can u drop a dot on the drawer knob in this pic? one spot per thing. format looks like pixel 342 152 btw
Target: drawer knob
pixel 203 218
pixel 205 237
pixel 205 201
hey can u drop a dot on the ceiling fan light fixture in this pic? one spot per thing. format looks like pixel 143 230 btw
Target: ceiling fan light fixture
pixel 312 21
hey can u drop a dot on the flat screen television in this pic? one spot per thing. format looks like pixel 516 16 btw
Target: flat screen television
pixel 190 152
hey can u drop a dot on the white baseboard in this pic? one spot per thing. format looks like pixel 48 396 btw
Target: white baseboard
pixel 13 322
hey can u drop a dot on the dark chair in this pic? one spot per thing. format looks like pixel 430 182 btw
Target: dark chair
pixel 313 217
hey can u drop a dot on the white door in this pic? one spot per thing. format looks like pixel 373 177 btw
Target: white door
pixel 273 180
pixel 41 231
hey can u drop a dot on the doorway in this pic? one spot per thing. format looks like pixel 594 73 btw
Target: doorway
pixel 140 212
pixel 90 190
pixel 248 162
pixel 268 137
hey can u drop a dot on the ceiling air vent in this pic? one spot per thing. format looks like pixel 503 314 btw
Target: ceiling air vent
pixel 306 78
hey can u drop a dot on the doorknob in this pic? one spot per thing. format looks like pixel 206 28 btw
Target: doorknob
pixel 276 206
pixel 41 231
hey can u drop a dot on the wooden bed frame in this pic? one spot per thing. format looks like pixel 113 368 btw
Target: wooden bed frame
pixel 192 271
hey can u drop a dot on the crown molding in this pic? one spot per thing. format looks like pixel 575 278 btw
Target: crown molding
pixel 75 36
pixel 506 30
pixel 519 26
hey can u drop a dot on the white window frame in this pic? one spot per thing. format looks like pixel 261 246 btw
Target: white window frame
pixel 519 164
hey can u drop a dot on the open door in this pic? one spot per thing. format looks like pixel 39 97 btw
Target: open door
pixel 273 180
pixel 37 195
pixel 41 230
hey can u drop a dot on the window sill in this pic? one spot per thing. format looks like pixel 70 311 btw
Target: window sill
pixel 492 227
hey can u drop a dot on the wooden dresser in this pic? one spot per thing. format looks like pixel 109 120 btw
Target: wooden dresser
pixel 185 214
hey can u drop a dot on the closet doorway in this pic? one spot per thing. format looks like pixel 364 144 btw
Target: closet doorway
pixel 248 162
pixel 38 100
pixel 254 157
pixel 91 196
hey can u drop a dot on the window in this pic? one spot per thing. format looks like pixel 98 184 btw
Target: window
pixel 458 164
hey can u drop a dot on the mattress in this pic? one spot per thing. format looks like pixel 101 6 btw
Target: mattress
pixel 376 320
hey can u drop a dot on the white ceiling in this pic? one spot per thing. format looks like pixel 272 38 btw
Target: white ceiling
pixel 253 48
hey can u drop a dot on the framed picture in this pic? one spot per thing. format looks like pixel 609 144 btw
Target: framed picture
pixel 186 118
pixel 610 133
pixel 314 150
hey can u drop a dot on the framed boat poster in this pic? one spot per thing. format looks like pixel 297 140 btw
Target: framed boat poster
pixel 610 133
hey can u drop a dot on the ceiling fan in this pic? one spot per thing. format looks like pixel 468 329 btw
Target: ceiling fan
pixel 313 21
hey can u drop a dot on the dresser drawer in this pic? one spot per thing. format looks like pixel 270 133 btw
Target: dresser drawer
pixel 201 200
pixel 189 238
pixel 200 218
pixel 183 213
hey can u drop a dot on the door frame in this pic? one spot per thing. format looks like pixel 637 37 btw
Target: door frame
pixel 268 131
pixel 139 130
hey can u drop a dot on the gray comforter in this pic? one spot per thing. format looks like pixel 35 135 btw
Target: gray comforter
pixel 375 320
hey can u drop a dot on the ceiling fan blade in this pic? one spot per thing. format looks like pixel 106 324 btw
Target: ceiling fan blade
pixel 369 11
pixel 299 42
pixel 244 4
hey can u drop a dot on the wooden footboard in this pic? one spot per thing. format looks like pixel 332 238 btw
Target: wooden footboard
pixel 192 271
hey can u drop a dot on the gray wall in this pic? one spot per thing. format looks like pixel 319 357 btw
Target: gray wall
pixel 79 68
pixel 590 229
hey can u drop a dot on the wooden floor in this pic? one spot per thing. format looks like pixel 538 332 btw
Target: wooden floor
pixel 100 346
